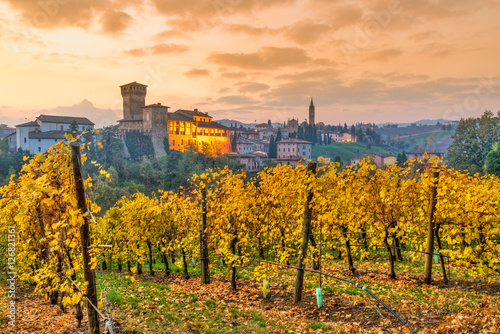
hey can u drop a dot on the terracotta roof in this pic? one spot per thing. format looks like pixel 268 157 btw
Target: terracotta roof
pixel 172 116
pixel 252 156
pixel 384 155
pixel 243 140
pixel 293 141
pixel 192 113
pixel 64 119
pixel 33 123
pixel 290 158
pixel 213 125
pixel 130 120
pixel 135 83
pixel 157 105
pixel 46 135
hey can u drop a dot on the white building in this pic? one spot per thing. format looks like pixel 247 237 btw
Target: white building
pixel 244 146
pixel 340 137
pixel 294 148
pixel 251 162
pixel 267 133
pixel 37 136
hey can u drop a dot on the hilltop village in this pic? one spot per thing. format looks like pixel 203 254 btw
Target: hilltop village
pixel 194 130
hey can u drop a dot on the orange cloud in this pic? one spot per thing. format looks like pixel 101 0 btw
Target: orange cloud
pixel 251 87
pixel 249 30
pixel 197 72
pixel 44 14
pixel 193 15
pixel 384 55
pixel 265 58
pixel 114 22
pixel 235 99
pixel 161 49
pixel 304 32
pixel 136 52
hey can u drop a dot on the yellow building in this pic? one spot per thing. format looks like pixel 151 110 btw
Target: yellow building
pixel 194 130
pixel 186 129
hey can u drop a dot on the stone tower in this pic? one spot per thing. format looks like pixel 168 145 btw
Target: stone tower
pixel 134 98
pixel 311 113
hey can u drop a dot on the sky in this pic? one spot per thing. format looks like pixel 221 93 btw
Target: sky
pixel 252 60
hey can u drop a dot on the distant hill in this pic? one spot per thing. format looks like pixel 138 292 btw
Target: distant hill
pixel 421 122
pixel 229 122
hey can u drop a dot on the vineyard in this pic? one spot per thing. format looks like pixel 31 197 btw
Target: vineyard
pixel 311 229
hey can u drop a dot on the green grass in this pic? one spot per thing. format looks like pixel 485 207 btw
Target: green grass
pixel 346 151
pixel 156 308
pixel 179 307
pixel 438 134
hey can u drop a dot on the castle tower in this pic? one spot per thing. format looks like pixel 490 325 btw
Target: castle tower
pixel 311 113
pixel 134 98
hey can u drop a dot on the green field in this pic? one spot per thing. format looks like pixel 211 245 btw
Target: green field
pixel 346 151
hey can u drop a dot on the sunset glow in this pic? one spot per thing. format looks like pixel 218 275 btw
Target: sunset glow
pixel 251 60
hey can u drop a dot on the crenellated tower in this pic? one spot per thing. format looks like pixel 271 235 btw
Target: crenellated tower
pixel 134 98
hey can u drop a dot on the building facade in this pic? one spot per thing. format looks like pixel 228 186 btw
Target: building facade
pixel 293 150
pixel 245 146
pixel 11 142
pixel 5 130
pixel 383 159
pixel 185 129
pixel 37 136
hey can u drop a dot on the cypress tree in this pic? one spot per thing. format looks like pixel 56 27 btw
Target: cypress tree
pixel 272 148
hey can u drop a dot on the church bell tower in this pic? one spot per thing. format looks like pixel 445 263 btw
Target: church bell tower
pixel 311 113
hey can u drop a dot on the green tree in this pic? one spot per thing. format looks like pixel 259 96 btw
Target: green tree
pixel 360 135
pixel 4 146
pixel 430 143
pixel 166 145
pixel 493 160
pixel 272 148
pixel 73 127
pixel 139 145
pixel 401 159
pixel 234 146
pixel 472 141
pixel 278 135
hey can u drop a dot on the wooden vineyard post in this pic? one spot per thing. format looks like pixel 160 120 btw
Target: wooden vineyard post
pixel 88 274
pixel 443 268
pixel 306 229
pixel 430 231
pixel 205 278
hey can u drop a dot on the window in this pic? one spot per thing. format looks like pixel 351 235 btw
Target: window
pixel 25 140
pixel 61 127
pixel 173 143
pixel 39 140
pixel 39 149
pixel 55 140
